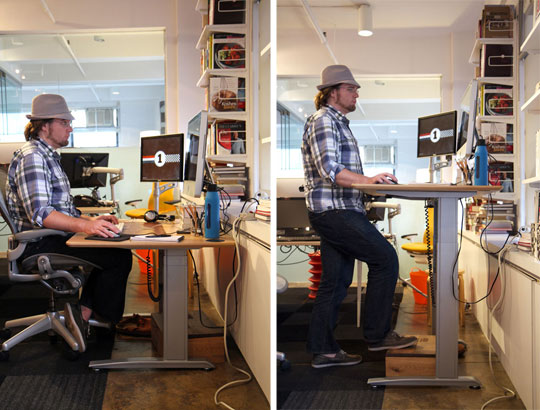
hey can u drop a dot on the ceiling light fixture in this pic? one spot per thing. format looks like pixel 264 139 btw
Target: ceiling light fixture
pixel 365 20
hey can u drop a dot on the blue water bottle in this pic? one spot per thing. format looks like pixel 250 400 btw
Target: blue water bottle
pixel 211 213
pixel 481 163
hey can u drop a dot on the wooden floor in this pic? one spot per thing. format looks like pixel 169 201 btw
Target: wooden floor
pixel 173 389
pixel 412 319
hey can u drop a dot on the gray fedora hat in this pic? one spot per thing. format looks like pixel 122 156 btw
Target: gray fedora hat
pixel 48 106
pixel 336 74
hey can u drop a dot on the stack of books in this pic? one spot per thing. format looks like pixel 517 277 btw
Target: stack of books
pixel 263 210
pixel 230 176
pixel 502 216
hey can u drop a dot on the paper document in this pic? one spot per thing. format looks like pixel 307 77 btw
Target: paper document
pixel 160 238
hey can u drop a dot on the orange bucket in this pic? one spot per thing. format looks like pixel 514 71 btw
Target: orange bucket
pixel 419 280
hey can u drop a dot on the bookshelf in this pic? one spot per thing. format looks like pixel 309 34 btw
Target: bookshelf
pixel 530 50
pixel 216 79
pixel 497 73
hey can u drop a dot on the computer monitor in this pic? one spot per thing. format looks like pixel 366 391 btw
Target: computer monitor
pixel 467 134
pixel 292 218
pixel 162 158
pixel 78 168
pixel 437 134
pixel 195 162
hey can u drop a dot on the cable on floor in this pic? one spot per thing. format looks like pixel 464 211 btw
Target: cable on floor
pixel 508 393
pixel 236 235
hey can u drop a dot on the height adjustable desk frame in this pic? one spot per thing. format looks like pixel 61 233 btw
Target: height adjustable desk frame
pixel 173 306
pixel 445 317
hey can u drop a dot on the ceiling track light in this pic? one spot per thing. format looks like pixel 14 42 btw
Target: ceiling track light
pixel 365 20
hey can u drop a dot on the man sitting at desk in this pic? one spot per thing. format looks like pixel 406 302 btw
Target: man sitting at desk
pixel 331 165
pixel 38 196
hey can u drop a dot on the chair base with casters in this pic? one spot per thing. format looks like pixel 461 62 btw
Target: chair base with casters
pixel 54 271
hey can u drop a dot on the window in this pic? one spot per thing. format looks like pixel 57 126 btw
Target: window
pixel 95 127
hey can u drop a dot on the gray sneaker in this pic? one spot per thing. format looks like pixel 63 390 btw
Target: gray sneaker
pixel 341 359
pixel 76 325
pixel 393 341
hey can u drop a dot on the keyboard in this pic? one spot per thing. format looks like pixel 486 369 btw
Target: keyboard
pixel 299 238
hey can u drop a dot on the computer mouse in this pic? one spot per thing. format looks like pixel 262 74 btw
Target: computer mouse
pixel 391 181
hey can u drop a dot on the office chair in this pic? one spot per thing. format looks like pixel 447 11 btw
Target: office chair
pixel 166 195
pixel 60 274
pixel 419 250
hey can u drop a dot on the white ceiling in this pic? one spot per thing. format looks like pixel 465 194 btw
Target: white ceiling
pixel 451 15
pixel 100 59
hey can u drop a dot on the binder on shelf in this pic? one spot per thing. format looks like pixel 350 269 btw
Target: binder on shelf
pixel 227 12
pixel 228 137
pixel 501 173
pixel 498 136
pixel 497 60
pixel 497 21
pixel 227 94
pixel 496 100
pixel 228 50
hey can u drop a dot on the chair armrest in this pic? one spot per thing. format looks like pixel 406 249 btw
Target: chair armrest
pixel 408 236
pixel 26 236
pixel 133 202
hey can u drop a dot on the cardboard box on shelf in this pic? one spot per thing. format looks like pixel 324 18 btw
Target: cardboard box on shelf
pixel 497 21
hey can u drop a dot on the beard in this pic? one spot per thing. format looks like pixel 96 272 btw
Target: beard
pixel 348 106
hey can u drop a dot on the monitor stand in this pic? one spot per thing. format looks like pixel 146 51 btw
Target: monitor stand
pixel 437 166
pixel 193 200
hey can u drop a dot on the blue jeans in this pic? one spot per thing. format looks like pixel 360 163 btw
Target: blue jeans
pixel 345 237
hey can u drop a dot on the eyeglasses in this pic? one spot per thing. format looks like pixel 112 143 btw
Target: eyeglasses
pixel 349 88
pixel 64 123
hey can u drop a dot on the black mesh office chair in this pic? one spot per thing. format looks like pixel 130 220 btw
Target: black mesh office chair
pixel 60 274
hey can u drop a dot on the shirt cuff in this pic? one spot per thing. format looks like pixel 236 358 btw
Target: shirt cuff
pixel 42 214
pixel 335 171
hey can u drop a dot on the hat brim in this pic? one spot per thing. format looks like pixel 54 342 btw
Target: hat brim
pixel 351 82
pixel 62 116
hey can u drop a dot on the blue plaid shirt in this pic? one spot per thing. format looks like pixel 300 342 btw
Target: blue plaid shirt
pixel 37 185
pixel 328 147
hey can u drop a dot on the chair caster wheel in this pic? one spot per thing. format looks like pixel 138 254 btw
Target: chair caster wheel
pixel 285 365
pixel 375 387
pixel 475 387
pixel 4 356
pixel 5 333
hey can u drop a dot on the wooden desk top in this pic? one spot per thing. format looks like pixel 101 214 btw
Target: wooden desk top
pixel 426 188
pixel 189 242
pixel 96 209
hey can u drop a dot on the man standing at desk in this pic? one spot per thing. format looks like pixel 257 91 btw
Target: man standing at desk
pixel 38 196
pixel 331 165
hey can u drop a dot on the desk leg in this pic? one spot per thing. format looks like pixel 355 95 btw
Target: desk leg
pixel 175 323
pixel 446 319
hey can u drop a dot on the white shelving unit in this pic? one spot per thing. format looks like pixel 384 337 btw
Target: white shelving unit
pixel 531 46
pixel 245 73
pixel 506 119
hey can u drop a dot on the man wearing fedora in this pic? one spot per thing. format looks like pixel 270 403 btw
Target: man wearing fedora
pixel 331 165
pixel 38 196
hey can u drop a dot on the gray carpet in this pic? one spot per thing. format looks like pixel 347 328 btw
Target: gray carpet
pixel 38 375
pixel 303 387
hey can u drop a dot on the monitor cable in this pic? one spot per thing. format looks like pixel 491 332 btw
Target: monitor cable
pixel 196 277
pixel 248 377
pixel 508 393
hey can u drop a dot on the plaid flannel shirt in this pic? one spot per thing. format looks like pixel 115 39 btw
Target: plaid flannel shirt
pixel 37 185
pixel 328 147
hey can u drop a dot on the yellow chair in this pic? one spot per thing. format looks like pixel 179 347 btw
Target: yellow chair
pixel 419 250
pixel 164 207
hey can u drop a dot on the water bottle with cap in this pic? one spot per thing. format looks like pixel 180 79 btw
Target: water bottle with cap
pixel 481 163
pixel 211 213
